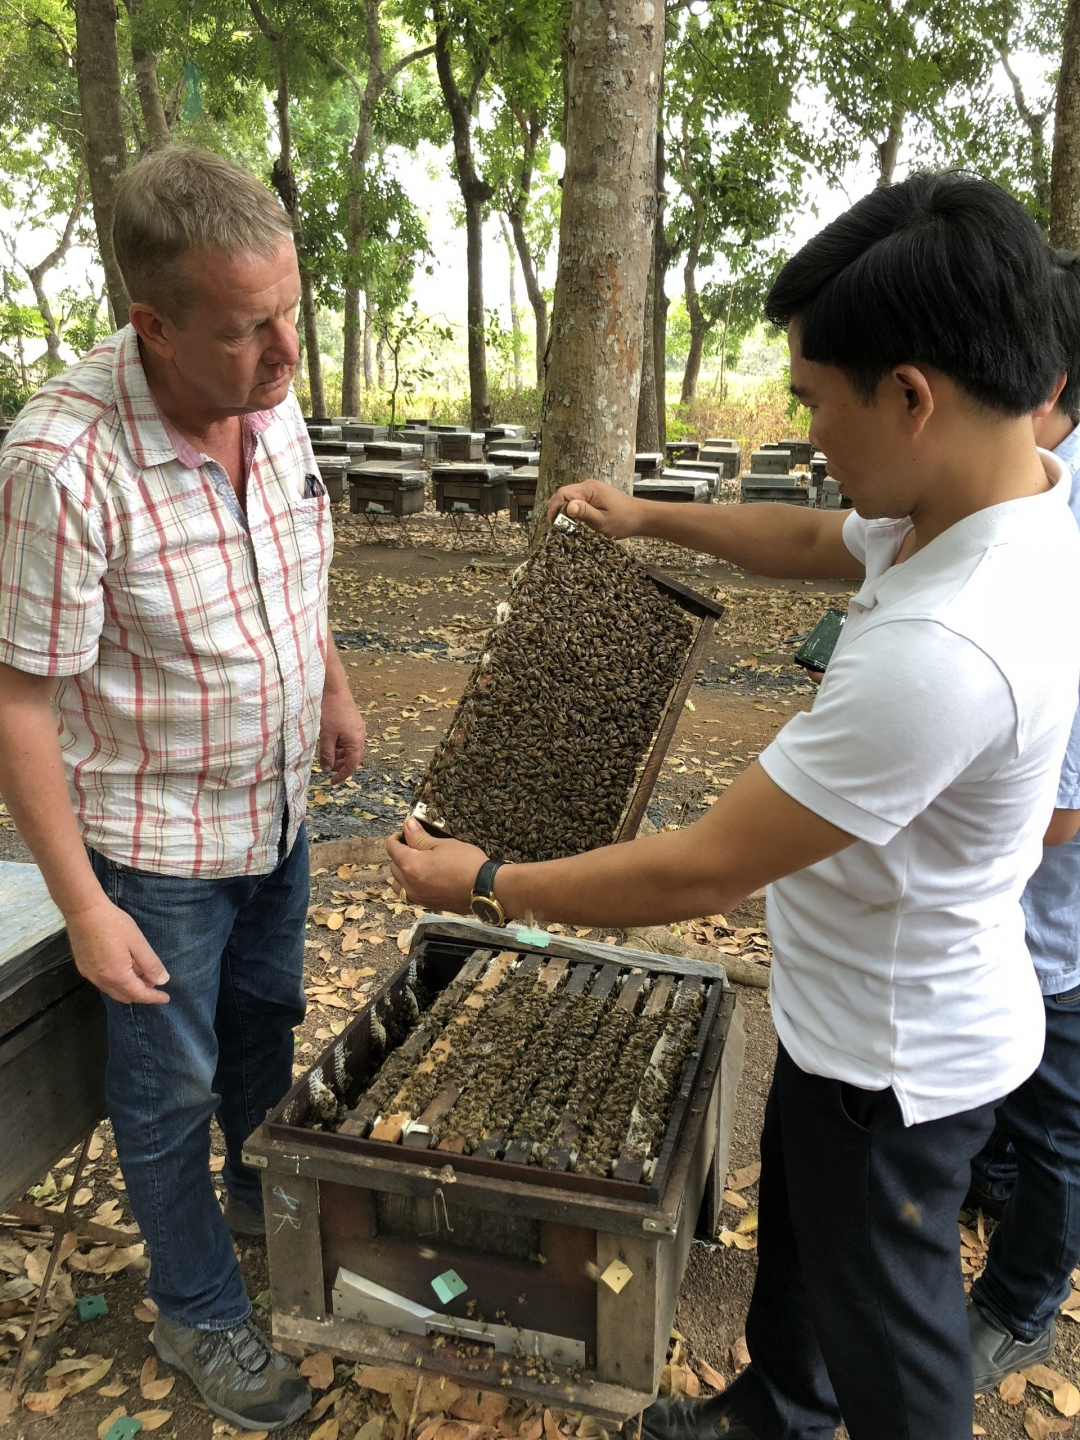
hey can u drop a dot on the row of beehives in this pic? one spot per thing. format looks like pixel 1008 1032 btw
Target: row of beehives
pixel 475 472
pixel 475 1073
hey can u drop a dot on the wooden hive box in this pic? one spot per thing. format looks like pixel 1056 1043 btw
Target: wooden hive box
pixel 52 1036
pixel 359 1227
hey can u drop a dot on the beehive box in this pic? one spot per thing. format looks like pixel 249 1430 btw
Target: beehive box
pixel 728 457
pixel 802 452
pixel 648 462
pixel 515 459
pixel 682 450
pixel 784 489
pixel 395 450
pixel 334 468
pixel 468 447
pixel 470 489
pixel 522 487
pixel 561 730
pixel 386 489
pixel 501 1260
pixel 674 488
pixel 52 1036
pixel 773 461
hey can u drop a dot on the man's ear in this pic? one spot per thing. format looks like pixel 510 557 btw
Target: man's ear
pixel 153 327
pixel 1048 404
pixel 914 391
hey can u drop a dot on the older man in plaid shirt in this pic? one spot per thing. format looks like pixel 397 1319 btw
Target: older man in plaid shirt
pixel 166 674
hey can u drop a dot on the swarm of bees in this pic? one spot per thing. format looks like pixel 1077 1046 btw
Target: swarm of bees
pixel 562 707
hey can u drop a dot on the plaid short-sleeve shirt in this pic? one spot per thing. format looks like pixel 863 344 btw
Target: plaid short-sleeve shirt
pixel 189 639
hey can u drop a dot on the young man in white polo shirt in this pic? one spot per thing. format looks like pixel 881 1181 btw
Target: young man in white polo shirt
pixel 897 822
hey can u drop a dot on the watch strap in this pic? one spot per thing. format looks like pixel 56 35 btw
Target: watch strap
pixel 485 878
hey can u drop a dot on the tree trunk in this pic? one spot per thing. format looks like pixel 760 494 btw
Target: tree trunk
pixel 284 182
pixel 144 62
pixel 515 316
pixel 661 260
pixel 647 429
pixel 698 327
pixel 605 245
pixel 36 275
pixel 350 356
pixel 889 148
pixel 479 396
pixel 535 294
pixel 1065 166
pixel 475 192
pixel 369 318
pixel 98 69
pixel 380 362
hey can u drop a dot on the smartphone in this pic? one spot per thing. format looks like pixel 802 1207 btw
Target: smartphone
pixel 816 650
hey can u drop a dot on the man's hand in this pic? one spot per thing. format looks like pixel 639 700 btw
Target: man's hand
pixel 437 874
pixel 112 953
pixel 341 736
pixel 601 507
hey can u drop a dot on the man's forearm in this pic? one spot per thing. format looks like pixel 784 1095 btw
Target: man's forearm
pixel 784 541
pixel 335 681
pixel 34 788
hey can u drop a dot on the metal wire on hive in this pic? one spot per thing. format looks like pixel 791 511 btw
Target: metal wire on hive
pixel 561 709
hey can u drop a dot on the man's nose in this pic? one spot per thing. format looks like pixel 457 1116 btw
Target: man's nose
pixel 284 346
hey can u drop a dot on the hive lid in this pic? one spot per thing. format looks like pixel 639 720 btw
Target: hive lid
pixel 697 488
pixel 33 936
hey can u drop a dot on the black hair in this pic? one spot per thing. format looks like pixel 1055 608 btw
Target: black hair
pixel 943 269
pixel 1068 278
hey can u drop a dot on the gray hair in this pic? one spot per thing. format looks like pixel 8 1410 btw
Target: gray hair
pixel 181 198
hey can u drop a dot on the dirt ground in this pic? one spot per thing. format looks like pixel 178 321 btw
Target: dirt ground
pixel 409 621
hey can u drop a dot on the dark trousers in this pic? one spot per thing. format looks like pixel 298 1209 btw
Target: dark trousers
pixel 1033 1161
pixel 858 1310
pixel 223 1046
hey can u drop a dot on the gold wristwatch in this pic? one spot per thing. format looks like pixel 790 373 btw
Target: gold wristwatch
pixel 483 903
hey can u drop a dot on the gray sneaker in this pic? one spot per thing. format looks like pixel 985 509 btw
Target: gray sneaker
pixel 996 1352
pixel 242 1219
pixel 237 1373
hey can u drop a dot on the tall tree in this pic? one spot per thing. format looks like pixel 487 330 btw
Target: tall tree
pixel 144 60
pixel 464 38
pixel 378 78
pixel 1065 171
pixel 98 69
pixel 284 182
pixel 614 55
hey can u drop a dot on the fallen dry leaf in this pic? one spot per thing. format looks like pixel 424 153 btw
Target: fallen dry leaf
pixel 1013 1388
pixel 744 1178
pixel 8 1402
pixel 532 1428
pixel 732 1197
pixel 89 1377
pixel 712 1377
pixel 1038 1426
pixel 437 1394
pixel 319 1370
pixel 481 1407
pixel 1066 1399
pixel 153 1419
pixel 334 922
pixel 1043 1376
pixel 379 1377
pixel 95 1147
pixel 146 1311
pixel 83 1196
pixel 328 1430
pixel 44 1402
pixel 109 1421
pixel 113 1389
pixel 976 1428
pixel 748 1223
pixel 740 1355
pixel 319 1409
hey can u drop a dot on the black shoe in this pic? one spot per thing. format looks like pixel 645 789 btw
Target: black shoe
pixel 693 1420
pixel 996 1352
pixel 990 1205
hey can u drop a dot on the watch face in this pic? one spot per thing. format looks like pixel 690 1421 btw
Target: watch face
pixel 486 910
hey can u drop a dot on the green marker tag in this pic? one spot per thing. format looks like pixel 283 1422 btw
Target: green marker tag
pixel 91 1307
pixel 447 1285
pixel 124 1428
pixel 540 938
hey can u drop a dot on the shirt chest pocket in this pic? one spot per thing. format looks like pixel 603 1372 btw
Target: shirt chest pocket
pixel 309 521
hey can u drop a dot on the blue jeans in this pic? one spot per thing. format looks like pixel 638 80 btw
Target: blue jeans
pixel 223 1045
pixel 1033 1160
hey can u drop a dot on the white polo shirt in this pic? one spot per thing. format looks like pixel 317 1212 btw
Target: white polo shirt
pixel 936 739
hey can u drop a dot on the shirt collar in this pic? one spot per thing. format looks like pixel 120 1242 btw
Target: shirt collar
pixel 151 439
